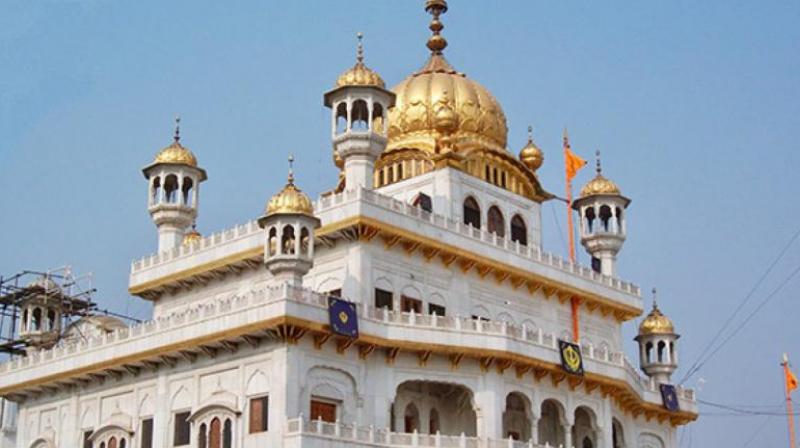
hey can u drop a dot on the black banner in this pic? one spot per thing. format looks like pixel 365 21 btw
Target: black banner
pixel 571 359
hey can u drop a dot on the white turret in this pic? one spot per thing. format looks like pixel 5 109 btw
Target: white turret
pixel 40 322
pixel 658 351
pixel 359 121
pixel 173 191
pixel 602 221
pixel 289 223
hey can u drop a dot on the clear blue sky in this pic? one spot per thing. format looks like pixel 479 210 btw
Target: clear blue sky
pixel 695 106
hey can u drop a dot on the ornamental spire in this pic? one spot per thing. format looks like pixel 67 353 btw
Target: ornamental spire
pixel 530 134
pixel 436 43
pixel 290 179
pixel 599 170
pixel 177 136
pixel 360 48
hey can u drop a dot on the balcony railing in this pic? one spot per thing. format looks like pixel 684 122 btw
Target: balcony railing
pixel 388 203
pixel 257 298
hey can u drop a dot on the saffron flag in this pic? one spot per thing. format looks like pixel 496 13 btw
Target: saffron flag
pixel 573 161
pixel 791 380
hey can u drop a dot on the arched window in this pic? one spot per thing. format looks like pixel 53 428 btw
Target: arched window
pixel 360 115
pixel 389 174
pixel 590 217
pixel 170 188
pixel 518 230
pixel 648 349
pixel 400 171
pixel 287 243
pixel 377 118
pixel 202 436
pixel 433 422
pixel 187 191
pixel 503 179
pixel 341 118
pixel 51 320
pixel 587 443
pixel 495 222
pixel 227 434
pixel 605 217
pixel 661 348
pixel 123 443
pixel 24 322
pixel 617 436
pixel 112 442
pixel 472 213
pixel 304 242
pixel 37 319
pixel 619 219
pixel 272 241
pixel 215 434
pixel 156 193
pixel 411 418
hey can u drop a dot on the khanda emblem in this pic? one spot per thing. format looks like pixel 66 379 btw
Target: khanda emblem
pixel 571 359
pixel 343 317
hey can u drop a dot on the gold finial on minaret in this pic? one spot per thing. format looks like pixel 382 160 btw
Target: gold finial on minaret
pixel 360 48
pixel 655 298
pixel 436 43
pixel 177 136
pixel 530 134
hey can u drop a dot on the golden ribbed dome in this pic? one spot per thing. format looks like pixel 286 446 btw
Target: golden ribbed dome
pixel 360 74
pixel 176 154
pixel 290 200
pixel 192 237
pixel 599 185
pixel 439 100
pixel 656 323
pixel 531 155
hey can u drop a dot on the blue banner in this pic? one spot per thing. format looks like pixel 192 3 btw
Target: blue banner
pixel 670 397
pixel 343 317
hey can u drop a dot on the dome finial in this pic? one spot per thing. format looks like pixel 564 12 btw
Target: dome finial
pixel 599 170
pixel 177 136
pixel 436 43
pixel 655 299
pixel 360 48
pixel 290 179
pixel 530 134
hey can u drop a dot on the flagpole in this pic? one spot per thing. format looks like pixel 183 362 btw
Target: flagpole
pixel 789 407
pixel 574 304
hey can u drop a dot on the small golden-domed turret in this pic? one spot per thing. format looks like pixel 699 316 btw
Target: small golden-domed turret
pixel 600 184
pixel 531 155
pixel 656 323
pixel 192 237
pixel 360 74
pixel 290 200
pixel 176 153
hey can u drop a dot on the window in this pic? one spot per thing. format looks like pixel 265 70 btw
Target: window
pixel 322 410
pixel 147 433
pixel 518 230
pixel 472 213
pixel 335 292
pixel 259 408
pixel 408 304
pixel 596 267
pixel 481 318
pixel 383 298
pixel 86 442
pixel 435 309
pixel 496 224
pixel 423 201
pixel 215 434
pixel 181 435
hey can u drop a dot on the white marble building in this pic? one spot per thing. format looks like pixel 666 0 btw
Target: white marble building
pixel 434 231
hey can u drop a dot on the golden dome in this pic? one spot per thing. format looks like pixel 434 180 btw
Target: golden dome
pixel 531 155
pixel 290 200
pixel 192 237
pixel 360 74
pixel 600 184
pixel 474 118
pixel 656 323
pixel 176 153
pixel 438 101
